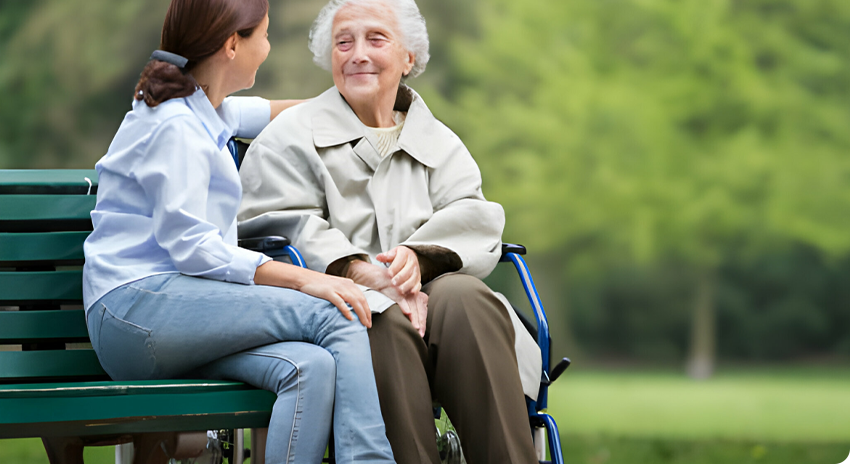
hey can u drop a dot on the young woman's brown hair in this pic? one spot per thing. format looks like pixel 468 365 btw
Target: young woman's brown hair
pixel 195 30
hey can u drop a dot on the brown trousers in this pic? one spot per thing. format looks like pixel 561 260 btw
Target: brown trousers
pixel 466 362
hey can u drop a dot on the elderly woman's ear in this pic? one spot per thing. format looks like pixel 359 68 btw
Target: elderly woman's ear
pixel 408 66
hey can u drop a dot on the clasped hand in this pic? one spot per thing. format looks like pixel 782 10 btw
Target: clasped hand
pixel 401 282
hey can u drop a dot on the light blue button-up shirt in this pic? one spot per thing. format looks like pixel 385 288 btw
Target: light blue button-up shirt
pixel 168 195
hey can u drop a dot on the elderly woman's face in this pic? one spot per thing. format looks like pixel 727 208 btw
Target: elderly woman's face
pixel 368 57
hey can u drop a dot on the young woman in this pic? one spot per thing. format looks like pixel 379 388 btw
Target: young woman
pixel 167 291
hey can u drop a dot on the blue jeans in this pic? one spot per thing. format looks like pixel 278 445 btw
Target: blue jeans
pixel 300 347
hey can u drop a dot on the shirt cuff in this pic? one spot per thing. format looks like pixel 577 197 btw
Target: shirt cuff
pixel 254 116
pixel 244 265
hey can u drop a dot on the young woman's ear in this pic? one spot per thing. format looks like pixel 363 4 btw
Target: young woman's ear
pixel 230 46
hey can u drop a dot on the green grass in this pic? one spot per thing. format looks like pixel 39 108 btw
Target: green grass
pixel 31 451
pixel 804 406
pixel 787 416
pixel 578 449
pixel 605 449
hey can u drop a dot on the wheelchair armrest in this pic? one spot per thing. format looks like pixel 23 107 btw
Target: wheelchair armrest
pixel 274 247
pixel 266 245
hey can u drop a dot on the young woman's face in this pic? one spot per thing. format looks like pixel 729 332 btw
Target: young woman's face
pixel 368 57
pixel 252 51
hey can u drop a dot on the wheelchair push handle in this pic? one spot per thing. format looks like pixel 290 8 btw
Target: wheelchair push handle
pixel 511 248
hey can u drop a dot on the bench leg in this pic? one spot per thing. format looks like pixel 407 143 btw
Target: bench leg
pixel 258 445
pixel 63 450
pixel 159 448
pixel 148 449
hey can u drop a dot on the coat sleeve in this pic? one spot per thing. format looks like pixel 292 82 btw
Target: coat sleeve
pixel 463 222
pixel 283 194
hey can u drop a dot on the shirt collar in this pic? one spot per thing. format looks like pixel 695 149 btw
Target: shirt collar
pixel 215 126
pixel 335 123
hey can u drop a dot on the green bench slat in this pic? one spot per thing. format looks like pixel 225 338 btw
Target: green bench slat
pixel 44 220
pixel 46 207
pixel 41 286
pixel 118 414
pixel 42 213
pixel 47 181
pixel 18 327
pixel 116 388
pixel 55 247
pixel 20 366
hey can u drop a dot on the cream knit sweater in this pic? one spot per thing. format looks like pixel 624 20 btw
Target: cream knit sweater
pixel 388 136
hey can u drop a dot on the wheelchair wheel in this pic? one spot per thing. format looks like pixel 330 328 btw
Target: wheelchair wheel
pixel 449 447
pixel 218 447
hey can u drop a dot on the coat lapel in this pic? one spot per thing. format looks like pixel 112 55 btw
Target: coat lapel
pixel 335 123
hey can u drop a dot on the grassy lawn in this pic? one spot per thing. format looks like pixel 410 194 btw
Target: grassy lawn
pixel 787 416
pixel 30 451
pixel 791 405
pixel 792 416
pixel 605 449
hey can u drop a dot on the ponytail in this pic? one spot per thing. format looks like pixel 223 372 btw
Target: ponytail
pixel 161 81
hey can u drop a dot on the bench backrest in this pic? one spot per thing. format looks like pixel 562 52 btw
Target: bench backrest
pixel 44 220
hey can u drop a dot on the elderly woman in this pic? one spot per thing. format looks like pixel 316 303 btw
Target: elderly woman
pixel 370 186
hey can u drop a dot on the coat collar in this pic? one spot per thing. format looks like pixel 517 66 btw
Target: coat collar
pixel 335 123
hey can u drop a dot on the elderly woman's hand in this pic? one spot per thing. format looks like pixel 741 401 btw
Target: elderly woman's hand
pixel 413 304
pixel 404 269
pixel 415 307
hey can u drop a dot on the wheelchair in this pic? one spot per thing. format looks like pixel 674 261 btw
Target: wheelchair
pixel 543 427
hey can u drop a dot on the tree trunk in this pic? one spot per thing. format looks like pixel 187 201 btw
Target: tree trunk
pixel 701 358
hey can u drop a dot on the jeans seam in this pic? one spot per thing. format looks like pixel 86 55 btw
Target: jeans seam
pixel 144 290
pixel 295 422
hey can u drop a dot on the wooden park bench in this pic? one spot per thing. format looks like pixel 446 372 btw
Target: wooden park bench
pixel 51 383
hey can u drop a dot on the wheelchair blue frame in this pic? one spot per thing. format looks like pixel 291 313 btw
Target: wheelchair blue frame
pixel 536 409
pixel 295 256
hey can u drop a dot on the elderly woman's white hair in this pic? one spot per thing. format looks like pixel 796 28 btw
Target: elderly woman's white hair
pixel 410 22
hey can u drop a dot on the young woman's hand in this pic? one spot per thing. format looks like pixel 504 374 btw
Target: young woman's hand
pixel 279 105
pixel 340 291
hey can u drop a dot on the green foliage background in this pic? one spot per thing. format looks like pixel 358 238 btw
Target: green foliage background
pixel 641 148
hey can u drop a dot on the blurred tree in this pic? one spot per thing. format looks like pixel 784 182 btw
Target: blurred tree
pixel 69 68
pixel 68 74
pixel 674 163
pixel 651 130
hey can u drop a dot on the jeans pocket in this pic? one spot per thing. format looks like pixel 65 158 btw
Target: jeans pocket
pixel 126 350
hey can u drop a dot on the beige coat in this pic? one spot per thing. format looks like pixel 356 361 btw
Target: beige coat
pixel 314 176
